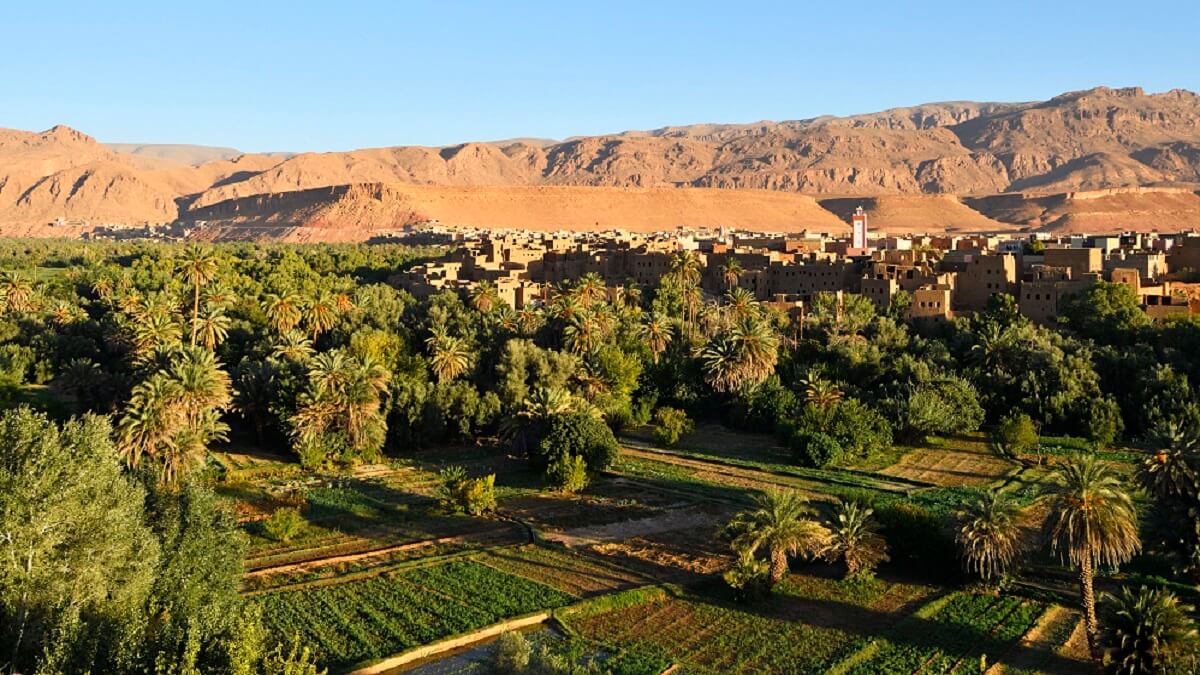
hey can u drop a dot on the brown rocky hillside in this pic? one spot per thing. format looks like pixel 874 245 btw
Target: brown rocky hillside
pixel 1078 142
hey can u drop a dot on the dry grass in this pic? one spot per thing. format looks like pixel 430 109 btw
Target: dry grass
pixel 953 462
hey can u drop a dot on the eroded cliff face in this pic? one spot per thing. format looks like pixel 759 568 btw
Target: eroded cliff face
pixel 1079 141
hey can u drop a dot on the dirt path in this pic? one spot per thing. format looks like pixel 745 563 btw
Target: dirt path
pixel 616 532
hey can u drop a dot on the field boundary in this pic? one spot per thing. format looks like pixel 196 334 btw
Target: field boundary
pixel 450 644
pixel 898 486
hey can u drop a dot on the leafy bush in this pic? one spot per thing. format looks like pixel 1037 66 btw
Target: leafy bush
pixel 512 654
pixel 750 578
pixel 459 494
pixel 568 473
pixel 671 424
pixel 947 406
pixel 917 539
pixel 1015 435
pixel 816 449
pixel 1103 423
pixel 856 429
pixel 284 524
pixel 578 434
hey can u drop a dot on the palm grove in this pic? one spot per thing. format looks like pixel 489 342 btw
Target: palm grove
pixel 121 365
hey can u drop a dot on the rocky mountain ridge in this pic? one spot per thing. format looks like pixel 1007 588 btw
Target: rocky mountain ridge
pixel 1078 142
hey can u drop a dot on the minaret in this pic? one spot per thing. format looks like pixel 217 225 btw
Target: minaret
pixel 858 239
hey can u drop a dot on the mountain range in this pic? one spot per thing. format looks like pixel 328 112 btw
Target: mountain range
pixel 1100 158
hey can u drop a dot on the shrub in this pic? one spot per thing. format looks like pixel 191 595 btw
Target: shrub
pixel 459 494
pixel 815 449
pixel 750 578
pixel 577 434
pixel 568 473
pixel 918 540
pixel 1103 422
pixel 1015 435
pixel 856 429
pixel 671 424
pixel 284 524
pixel 512 654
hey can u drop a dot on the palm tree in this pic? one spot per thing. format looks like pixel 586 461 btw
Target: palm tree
pixel 731 271
pixel 343 396
pixel 17 292
pixel 584 333
pixel 721 364
pixel 989 535
pixel 1172 471
pixel 854 537
pixel 590 290
pixel 284 311
pixel 657 334
pixel 213 327
pixel 739 302
pixel 685 272
pixel 320 315
pixel 741 358
pixel 529 320
pixel 1092 522
pixel 449 356
pixel 484 296
pixel 199 267
pixel 821 392
pixel 103 288
pixel 155 332
pixel 253 393
pixel 292 345
pixel 202 384
pixel 148 426
pixel 782 525
pixel 1150 631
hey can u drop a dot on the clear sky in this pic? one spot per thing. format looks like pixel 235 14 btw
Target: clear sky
pixel 261 75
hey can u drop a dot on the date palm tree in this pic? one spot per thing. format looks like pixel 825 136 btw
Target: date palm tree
pixel 741 358
pixel 199 267
pixel 657 334
pixel 989 535
pixel 16 291
pixel 732 271
pixel 739 303
pixel 484 296
pixel 284 312
pixel 320 315
pixel 148 426
pixel 821 392
pixel 1173 471
pixel 155 332
pixel 782 525
pixel 1150 631
pixel 590 290
pixel 854 537
pixel 292 345
pixel 1091 522
pixel 449 356
pixel 213 327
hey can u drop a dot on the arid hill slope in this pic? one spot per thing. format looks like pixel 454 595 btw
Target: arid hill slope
pixel 1111 210
pixel 363 208
pixel 1085 141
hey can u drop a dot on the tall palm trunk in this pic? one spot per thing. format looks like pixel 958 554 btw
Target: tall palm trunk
pixel 779 564
pixel 1087 594
pixel 195 311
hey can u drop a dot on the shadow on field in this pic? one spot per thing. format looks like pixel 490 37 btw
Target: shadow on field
pixel 900 628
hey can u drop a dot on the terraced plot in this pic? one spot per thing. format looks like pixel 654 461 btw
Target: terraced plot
pixel 570 572
pixel 376 617
pixel 810 625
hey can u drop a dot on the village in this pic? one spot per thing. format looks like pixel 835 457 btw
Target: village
pixel 938 276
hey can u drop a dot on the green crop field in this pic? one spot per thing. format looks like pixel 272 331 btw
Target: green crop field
pixel 372 618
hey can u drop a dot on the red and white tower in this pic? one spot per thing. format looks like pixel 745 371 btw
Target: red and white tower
pixel 858 240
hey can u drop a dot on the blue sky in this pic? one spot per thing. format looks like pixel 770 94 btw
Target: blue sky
pixel 265 75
